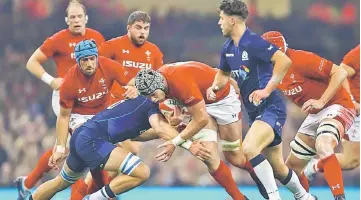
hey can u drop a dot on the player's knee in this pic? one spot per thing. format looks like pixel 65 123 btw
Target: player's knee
pixel 250 151
pixel 300 150
pixel 67 178
pixel 133 166
pixel 329 133
pixel 324 146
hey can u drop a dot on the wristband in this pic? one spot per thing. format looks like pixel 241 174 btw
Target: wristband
pixel 178 140
pixel 187 144
pixel 47 78
pixel 60 149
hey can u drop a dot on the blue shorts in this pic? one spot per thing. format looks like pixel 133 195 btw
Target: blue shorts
pixel 274 114
pixel 88 148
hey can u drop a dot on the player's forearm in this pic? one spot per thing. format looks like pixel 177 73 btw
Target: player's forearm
pixel 150 134
pixel 62 126
pixel 193 128
pixel 279 71
pixel 35 68
pixel 336 80
pixel 221 79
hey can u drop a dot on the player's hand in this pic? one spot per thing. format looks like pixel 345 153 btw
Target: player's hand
pixel 198 150
pixel 211 95
pixel 357 107
pixel 257 96
pixel 313 104
pixel 131 92
pixel 167 152
pixel 56 159
pixel 56 83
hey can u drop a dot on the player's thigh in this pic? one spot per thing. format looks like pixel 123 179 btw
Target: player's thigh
pixel 69 175
pixel 353 133
pixel 258 137
pixel 131 146
pixel 351 150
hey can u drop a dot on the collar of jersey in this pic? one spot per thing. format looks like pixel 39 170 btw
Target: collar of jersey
pixel 244 39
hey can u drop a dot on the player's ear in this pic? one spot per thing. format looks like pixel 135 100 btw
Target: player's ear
pixel 86 19
pixel 128 27
pixel 66 20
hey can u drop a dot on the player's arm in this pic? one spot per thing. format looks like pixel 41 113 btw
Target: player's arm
pixel 34 66
pixel 337 77
pixel 150 134
pixel 281 65
pixel 235 86
pixel 158 60
pixel 161 128
pixel 62 126
pixel 199 121
pixel 223 74
pixel 105 49
pixel 350 73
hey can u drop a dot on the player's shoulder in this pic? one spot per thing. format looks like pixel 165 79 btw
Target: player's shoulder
pixel 228 43
pixel 60 35
pixel 116 40
pixel 93 32
pixel 151 46
pixel 354 51
pixel 105 62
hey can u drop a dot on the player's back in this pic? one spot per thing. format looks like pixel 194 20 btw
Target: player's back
pixel 61 45
pixel 199 74
pixel 125 119
pixel 308 78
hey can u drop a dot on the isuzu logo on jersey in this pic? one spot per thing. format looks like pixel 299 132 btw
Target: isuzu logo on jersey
pixel 293 91
pixel 93 97
pixel 140 65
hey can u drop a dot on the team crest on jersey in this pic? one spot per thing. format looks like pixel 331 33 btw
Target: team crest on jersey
pixel 148 54
pixel 244 56
pixel 102 82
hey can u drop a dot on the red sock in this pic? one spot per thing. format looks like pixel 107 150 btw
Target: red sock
pixel 224 177
pixel 78 190
pixel 304 182
pixel 100 178
pixel 247 166
pixel 320 166
pixel 333 174
pixel 41 168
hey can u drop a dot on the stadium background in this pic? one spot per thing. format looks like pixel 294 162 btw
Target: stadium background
pixel 184 30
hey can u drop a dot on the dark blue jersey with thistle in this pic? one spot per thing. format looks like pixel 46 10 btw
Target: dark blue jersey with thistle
pixel 249 62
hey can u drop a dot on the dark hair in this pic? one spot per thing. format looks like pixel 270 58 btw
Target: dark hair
pixel 74 2
pixel 138 16
pixel 234 7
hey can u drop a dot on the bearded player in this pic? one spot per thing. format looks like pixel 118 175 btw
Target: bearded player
pixel 314 84
pixel 60 47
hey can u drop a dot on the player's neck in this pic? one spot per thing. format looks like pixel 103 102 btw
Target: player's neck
pixel 238 32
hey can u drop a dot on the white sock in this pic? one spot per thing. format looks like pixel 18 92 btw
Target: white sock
pixel 264 172
pixel 293 184
pixel 99 195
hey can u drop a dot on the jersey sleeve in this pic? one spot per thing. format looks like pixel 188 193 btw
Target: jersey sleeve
pixel 49 46
pixel 117 72
pixel 223 64
pixel 159 59
pixel 106 50
pixel 67 96
pixel 186 90
pixel 313 66
pixel 154 109
pixel 350 58
pixel 261 49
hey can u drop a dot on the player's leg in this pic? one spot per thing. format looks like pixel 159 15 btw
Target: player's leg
pixel 231 144
pixel 70 173
pixel 302 151
pixel 133 173
pixel 284 174
pixel 350 158
pixel 217 168
pixel 259 136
